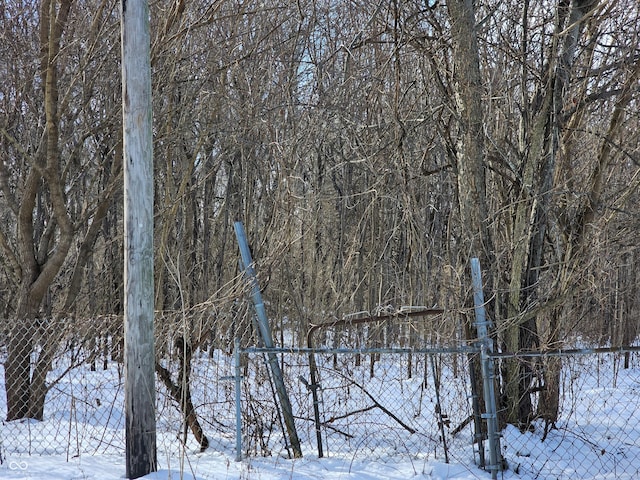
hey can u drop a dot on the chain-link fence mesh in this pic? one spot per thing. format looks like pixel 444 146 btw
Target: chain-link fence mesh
pixel 597 434
pixel 376 403
pixel 83 411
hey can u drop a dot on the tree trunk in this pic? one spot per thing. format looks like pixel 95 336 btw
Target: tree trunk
pixel 17 369
pixel 472 201
pixel 472 195
pixel 181 391
pixel 532 206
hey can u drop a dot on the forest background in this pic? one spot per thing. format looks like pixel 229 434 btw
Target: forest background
pixel 370 148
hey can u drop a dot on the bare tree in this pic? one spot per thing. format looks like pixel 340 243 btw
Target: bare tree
pixel 41 194
pixel 370 148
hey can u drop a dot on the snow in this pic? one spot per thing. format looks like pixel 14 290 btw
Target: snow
pixel 219 466
pixel 598 435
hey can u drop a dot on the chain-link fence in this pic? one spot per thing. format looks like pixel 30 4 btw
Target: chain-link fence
pixel 597 434
pixel 378 405
pixel 391 405
pixel 83 411
pixel 385 404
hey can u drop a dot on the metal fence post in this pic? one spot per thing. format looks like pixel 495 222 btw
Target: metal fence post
pixel 486 348
pixel 236 354
pixel 265 333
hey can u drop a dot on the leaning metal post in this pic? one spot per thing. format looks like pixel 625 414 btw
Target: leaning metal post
pixel 486 348
pixel 265 333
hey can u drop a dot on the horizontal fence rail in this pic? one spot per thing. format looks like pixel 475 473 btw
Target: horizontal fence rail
pixel 566 352
pixel 364 351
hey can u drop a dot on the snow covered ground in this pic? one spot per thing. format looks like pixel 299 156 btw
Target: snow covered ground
pixel 220 466
pixel 598 436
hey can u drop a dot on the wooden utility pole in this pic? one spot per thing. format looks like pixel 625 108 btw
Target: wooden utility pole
pixel 139 360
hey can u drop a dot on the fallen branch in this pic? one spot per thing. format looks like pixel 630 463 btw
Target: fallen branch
pixel 355 412
pixel 460 427
pixel 381 407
